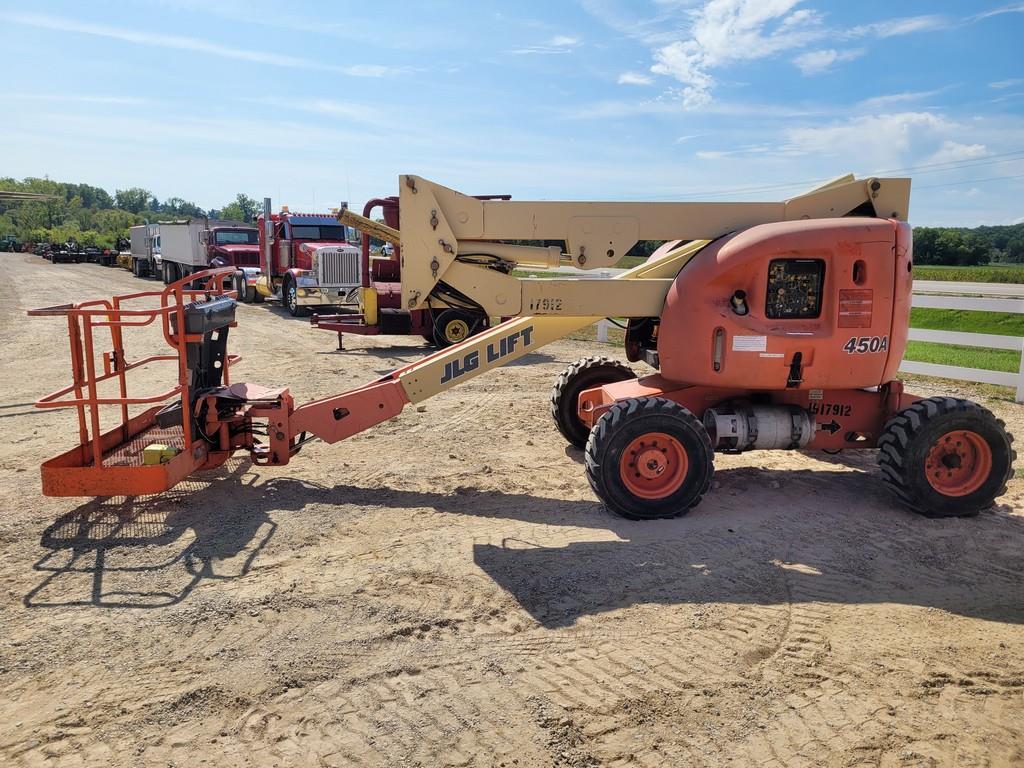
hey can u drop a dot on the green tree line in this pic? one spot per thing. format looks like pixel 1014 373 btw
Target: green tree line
pixel 952 246
pixel 93 216
pixel 961 246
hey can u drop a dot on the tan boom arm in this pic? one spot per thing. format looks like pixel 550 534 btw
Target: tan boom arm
pixel 440 226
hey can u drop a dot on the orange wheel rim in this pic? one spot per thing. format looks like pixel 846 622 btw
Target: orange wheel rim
pixel 958 463
pixel 653 466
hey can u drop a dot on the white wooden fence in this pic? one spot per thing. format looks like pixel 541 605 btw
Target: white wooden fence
pixel 980 297
pixel 966 296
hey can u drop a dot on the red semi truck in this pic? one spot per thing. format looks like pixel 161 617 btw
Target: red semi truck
pixel 306 259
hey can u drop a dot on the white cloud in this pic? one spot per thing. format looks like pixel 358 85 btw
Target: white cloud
pixel 818 62
pixel 73 98
pixel 353 112
pixel 1009 83
pixel 635 78
pixel 727 31
pixel 194 44
pixel 953 151
pixel 902 26
pixel 879 102
pixel 614 109
pixel 557 44
pixel 875 141
pixel 1012 8
pixel 718 33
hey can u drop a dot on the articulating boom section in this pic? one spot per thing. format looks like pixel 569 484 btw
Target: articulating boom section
pixel 452 247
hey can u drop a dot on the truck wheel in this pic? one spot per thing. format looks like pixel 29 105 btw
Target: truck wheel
pixel 648 458
pixel 454 325
pixel 257 297
pixel 583 374
pixel 238 286
pixel 291 298
pixel 946 457
pixel 137 267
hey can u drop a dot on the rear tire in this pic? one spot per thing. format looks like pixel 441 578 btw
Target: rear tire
pixel 583 374
pixel 946 457
pixel 648 458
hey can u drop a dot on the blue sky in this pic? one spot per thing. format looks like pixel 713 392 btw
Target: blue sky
pixel 317 102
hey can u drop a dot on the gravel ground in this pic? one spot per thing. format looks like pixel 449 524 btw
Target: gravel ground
pixel 445 590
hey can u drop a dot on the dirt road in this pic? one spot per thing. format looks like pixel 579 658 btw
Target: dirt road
pixel 445 590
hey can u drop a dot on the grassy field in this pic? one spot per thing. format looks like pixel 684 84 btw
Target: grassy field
pixel 964 357
pixel 964 321
pixel 1001 323
pixel 991 273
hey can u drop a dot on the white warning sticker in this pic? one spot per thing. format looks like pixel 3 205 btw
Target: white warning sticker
pixel 749 343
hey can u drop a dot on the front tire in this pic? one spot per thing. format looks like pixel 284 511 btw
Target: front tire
pixel 584 374
pixel 244 292
pixel 946 457
pixel 291 298
pixel 649 458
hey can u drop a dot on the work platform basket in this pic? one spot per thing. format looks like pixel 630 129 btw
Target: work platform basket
pixel 116 462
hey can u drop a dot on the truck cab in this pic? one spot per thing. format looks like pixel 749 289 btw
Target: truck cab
pixel 307 259
pixel 234 246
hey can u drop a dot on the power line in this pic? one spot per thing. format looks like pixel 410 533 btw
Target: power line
pixel 957 163
pixel 949 165
pixel 972 181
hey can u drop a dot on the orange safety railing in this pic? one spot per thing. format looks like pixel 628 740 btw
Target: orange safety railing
pixel 85 318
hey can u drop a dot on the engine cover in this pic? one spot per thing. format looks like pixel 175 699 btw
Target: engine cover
pixel 810 304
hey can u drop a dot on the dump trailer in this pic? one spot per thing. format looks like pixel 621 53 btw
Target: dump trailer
pixel 192 245
pixel 769 326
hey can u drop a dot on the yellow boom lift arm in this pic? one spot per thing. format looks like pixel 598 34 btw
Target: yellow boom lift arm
pixel 445 234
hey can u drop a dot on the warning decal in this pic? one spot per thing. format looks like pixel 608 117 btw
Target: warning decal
pixel 749 343
pixel 855 305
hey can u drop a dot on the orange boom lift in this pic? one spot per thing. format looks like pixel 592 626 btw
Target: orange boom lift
pixel 781 328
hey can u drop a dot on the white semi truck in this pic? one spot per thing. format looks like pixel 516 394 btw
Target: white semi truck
pixel 145 248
